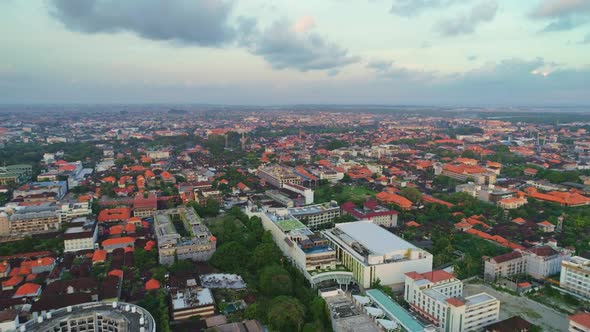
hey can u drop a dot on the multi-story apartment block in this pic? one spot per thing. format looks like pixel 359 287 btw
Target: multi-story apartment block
pixel 15 174
pixel 438 297
pixel 145 206
pixel 81 235
pixel 374 254
pixel 575 276
pixel 464 172
pixel 72 210
pixel 181 233
pixel 278 175
pixel 371 210
pixel 316 216
pixel 41 191
pixel 33 219
pixel 539 263
pixel 308 251
pixel 93 316
pixel 190 302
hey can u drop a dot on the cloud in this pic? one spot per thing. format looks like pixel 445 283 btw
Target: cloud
pixel 463 24
pixel 199 22
pixel 389 70
pixel 472 57
pixel 304 24
pixel 562 14
pixel 559 8
pixel 586 39
pixel 287 45
pixel 284 44
pixel 410 8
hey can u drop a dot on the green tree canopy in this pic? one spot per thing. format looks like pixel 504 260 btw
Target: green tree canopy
pixel 286 314
pixel 275 281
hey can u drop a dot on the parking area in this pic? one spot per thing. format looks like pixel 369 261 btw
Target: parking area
pixel 536 313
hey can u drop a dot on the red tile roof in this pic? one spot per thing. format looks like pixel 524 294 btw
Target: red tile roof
pixel 152 284
pixel 117 273
pixel 582 318
pixel 99 256
pixel 432 276
pixel 15 280
pixel 455 302
pixel 116 214
pixel 28 289
pixel 120 240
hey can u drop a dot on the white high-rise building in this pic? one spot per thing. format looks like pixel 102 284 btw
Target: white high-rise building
pixel 575 276
pixel 438 297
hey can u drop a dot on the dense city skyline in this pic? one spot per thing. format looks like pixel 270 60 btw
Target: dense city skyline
pixel 476 52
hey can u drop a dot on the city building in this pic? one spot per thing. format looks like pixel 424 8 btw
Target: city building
pixel 80 235
pixel 277 175
pixel 308 251
pixel 41 191
pixel 9 320
pixel 374 254
pixel 318 215
pixel 114 215
pixel 390 198
pixel 15 174
pixel 145 205
pixel 464 172
pixel 438 297
pixel 371 210
pixel 575 276
pixel 539 262
pixel 72 210
pixel 191 301
pixel 29 220
pixel 181 234
pixel 306 193
pixel 93 316
pixel 579 322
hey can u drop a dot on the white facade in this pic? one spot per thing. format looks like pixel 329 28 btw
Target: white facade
pixel 539 263
pixel 438 297
pixel 374 254
pixel 307 193
pixel 80 238
pixel 575 276
pixel 70 211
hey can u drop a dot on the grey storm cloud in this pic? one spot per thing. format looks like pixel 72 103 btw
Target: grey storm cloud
pixel 416 7
pixel 562 14
pixel 199 22
pixel 466 23
pixel 284 47
pixel 203 23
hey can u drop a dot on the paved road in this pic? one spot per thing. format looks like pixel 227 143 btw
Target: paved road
pixel 536 313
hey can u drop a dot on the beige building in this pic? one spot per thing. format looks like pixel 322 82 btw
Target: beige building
pixel 277 175
pixel 195 243
pixel 575 276
pixel 30 220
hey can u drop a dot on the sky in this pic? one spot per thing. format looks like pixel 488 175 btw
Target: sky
pixel 418 52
